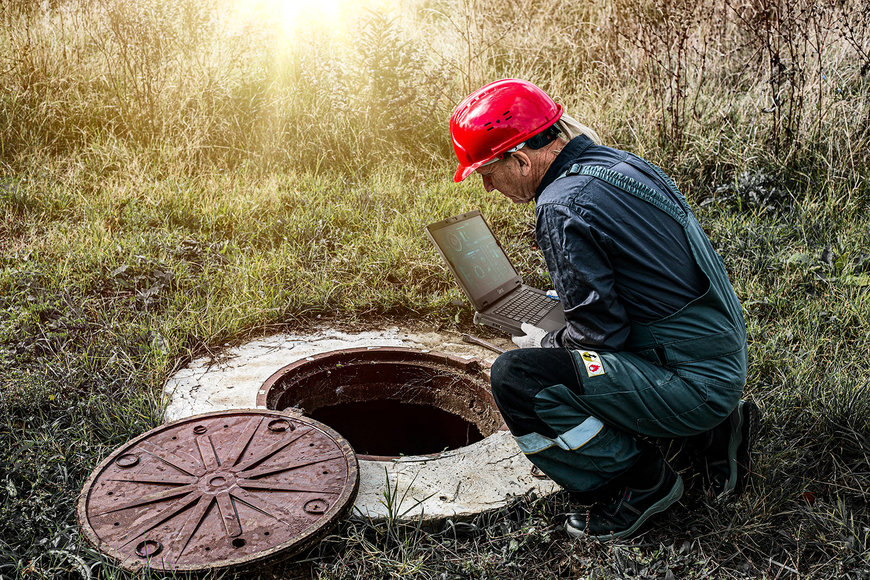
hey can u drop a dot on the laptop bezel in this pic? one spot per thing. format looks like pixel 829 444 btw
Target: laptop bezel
pixel 485 301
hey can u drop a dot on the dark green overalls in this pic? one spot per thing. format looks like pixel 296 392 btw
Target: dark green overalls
pixel 679 376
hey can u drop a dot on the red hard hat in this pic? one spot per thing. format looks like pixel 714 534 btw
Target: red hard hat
pixel 497 117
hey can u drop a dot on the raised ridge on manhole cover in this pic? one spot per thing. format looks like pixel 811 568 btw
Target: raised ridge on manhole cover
pixel 221 490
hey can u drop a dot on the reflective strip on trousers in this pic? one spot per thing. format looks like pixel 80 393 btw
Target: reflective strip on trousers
pixel 570 440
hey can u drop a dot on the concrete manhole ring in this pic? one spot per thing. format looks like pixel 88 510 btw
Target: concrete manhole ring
pixel 433 484
pixel 390 402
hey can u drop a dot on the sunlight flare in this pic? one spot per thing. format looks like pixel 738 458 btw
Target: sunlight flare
pixel 292 13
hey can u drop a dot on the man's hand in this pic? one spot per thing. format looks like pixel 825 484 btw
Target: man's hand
pixel 532 337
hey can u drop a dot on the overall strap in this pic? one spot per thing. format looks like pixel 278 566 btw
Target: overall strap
pixel 671 185
pixel 636 188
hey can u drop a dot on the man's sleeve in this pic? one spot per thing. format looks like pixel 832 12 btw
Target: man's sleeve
pixel 581 273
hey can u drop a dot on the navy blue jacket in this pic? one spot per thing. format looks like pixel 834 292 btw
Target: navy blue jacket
pixel 612 258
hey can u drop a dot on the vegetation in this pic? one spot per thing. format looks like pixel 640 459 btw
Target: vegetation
pixel 173 178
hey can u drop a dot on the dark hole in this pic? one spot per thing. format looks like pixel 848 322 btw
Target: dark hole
pixel 389 402
pixel 388 427
pixel 265 533
pixel 238 543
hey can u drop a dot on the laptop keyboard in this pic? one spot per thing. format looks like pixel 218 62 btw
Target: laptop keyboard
pixel 525 306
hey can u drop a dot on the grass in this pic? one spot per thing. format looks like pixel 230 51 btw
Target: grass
pixel 170 183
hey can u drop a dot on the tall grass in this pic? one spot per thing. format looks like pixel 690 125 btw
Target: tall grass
pixel 177 84
pixel 172 179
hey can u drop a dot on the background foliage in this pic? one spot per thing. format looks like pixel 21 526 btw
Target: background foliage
pixel 172 179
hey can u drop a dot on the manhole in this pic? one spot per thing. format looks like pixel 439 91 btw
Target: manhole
pixel 457 481
pixel 389 402
pixel 221 490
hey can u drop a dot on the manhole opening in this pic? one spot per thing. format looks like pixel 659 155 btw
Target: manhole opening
pixel 389 402
pixel 386 427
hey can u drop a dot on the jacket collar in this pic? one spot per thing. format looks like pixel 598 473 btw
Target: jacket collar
pixel 574 149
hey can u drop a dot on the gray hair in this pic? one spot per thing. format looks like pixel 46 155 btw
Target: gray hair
pixel 571 128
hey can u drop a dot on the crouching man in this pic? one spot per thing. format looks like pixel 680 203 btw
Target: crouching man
pixel 655 344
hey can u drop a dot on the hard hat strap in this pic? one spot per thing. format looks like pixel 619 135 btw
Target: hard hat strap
pixel 502 155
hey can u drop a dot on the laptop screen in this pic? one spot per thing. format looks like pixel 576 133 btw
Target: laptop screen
pixel 474 255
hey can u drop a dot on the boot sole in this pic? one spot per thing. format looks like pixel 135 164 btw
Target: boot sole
pixel 673 497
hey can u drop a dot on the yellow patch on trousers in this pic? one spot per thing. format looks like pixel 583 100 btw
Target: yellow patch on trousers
pixel 594 366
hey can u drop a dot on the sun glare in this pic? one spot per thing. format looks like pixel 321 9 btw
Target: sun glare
pixel 292 13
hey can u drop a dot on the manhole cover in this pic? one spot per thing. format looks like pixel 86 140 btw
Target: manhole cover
pixel 224 489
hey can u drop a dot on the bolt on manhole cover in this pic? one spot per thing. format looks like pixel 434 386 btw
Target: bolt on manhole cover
pixel 220 490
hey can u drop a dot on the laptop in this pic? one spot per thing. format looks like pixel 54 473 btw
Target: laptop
pixel 489 279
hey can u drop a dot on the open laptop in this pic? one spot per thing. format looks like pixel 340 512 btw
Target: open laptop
pixel 489 279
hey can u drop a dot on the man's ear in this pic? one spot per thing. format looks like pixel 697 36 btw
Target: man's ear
pixel 524 162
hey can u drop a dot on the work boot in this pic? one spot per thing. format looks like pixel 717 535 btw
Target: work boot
pixel 728 456
pixel 658 487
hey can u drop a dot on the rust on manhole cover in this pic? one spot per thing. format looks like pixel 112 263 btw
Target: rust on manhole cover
pixel 224 489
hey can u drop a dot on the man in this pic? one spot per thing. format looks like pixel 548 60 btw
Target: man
pixel 655 343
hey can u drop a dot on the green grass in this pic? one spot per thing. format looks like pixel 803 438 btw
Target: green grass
pixel 167 187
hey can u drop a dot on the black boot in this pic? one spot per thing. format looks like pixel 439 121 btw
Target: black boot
pixel 654 487
pixel 727 459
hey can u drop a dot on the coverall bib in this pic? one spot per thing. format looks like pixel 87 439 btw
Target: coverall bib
pixel 678 376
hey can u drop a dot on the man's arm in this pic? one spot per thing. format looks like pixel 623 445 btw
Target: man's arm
pixel 583 276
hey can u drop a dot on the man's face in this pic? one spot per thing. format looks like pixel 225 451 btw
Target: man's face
pixel 510 177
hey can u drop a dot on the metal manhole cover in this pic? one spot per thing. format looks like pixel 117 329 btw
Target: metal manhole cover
pixel 224 489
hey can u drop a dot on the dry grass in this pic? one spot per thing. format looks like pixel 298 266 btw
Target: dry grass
pixel 170 182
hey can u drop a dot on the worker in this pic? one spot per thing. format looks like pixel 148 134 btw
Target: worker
pixel 654 345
